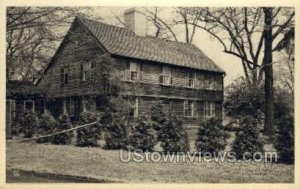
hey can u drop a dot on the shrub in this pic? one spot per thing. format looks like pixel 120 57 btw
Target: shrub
pixel 116 133
pixel 211 136
pixel 88 136
pixel 159 119
pixel 284 139
pixel 247 139
pixel 46 126
pixel 173 137
pixel 64 123
pixel 27 123
pixel 144 135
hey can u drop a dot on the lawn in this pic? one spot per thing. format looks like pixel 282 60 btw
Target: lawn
pixel 97 163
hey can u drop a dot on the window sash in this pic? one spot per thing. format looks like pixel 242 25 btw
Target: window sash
pixel 209 108
pixel 189 108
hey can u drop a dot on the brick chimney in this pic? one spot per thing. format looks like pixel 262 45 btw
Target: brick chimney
pixel 136 21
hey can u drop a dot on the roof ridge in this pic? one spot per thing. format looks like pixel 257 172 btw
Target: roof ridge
pixel 147 36
pixel 110 25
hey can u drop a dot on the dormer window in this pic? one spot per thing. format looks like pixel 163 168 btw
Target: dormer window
pixel 190 79
pixel 166 76
pixel 133 72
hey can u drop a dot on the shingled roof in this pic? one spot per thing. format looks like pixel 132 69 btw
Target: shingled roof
pixel 123 42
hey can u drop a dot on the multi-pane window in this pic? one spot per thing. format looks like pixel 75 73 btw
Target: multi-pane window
pixel 133 71
pixel 190 79
pixel 209 108
pixel 29 105
pixel 165 76
pixel 87 71
pixel 189 108
pixel 64 75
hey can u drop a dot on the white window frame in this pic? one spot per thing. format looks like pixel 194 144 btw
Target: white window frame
pixel 190 104
pixel 166 76
pixel 33 105
pixel 134 68
pixel 209 109
pixel 87 70
pixel 71 107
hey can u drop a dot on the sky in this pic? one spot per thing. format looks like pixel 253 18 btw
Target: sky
pixel 202 40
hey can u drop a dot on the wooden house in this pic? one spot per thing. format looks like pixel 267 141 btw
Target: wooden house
pixel 188 83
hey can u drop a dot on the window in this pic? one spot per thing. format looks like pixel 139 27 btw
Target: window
pixel 190 79
pixel 71 107
pixel 209 109
pixel 29 105
pixel 210 84
pixel 87 71
pixel 64 73
pixel 166 76
pixel 134 107
pixel 133 71
pixel 189 108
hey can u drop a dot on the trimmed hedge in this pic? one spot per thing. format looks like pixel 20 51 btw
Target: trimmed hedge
pixel 144 136
pixel 88 136
pixel 211 136
pixel 64 123
pixel 116 136
pixel 27 123
pixel 46 126
pixel 247 139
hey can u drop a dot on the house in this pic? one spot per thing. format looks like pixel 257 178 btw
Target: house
pixel 20 96
pixel 180 75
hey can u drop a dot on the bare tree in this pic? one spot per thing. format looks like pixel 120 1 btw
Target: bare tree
pixel 33 34
pixel 243 32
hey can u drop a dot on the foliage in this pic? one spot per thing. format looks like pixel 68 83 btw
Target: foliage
pixel 46 126
pixel 33 33
pixel 27 123
pixel 284 139
pixel 159 118
pixel 247 139
pixel 116 132
pixel 246 100
pixel 211 136
pixel 173 137
pixel 64 123
pixel 88 136
pixel 144 135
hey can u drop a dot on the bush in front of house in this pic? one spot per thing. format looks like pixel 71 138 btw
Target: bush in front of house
pixel 159 119
pixel 284 138
pixel 211 136
pixel 64 123
pixel 46 126
pixel 173 137
pixel 143 136
pixel 27 123
pixel 247 141
pixel 88 136
pixel 116 136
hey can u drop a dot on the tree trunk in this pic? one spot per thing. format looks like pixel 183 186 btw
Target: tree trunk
pixel 268 69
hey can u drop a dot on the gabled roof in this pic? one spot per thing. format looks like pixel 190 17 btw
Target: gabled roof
pixel 123 42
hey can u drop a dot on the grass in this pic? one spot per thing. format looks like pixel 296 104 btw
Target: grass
pixel 100 164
